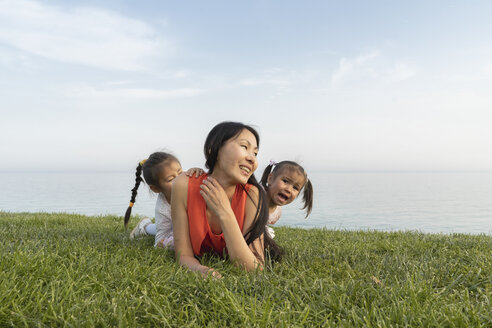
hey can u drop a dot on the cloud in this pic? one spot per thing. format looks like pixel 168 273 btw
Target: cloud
pixel 399 72
pixel 182 74
pixel 87 36
pixel 279 81
pixel 253 82
pixel 348 66
pixel 279 78
pixel 372 66
pixel 273 77
pixel 132 93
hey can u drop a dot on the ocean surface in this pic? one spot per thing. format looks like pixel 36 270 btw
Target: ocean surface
pixel 428 202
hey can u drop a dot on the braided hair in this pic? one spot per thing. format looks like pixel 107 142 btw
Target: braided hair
pixel 150 168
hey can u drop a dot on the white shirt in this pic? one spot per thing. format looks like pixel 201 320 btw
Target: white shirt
pixel 163 221
pixel 275 215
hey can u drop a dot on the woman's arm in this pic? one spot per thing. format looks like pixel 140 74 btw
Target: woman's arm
pixel 182 242
pixel 239 252
pixel 257 246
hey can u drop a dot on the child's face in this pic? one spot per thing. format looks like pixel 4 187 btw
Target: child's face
pixel 285 187
pixel 169 172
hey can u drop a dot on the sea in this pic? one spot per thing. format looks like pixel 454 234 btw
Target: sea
pixel 431 202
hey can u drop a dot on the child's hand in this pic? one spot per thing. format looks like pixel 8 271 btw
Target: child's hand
pixel 195 170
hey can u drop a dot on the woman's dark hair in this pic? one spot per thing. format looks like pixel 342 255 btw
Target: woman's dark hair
pixel 307 196
pixel 216 138
pixel 151 168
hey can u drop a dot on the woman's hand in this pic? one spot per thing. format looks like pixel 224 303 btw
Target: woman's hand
pixel 215 197
pixel 194 171
pixel 210 272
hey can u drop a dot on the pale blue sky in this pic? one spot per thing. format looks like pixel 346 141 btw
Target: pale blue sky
pixel 337 85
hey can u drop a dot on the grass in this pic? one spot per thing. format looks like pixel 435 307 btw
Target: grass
pixel 75 270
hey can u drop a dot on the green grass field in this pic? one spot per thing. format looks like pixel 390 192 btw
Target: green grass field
pixel 74 270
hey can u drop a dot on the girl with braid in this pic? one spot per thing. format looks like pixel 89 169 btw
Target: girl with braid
pixel 283 182
pixel 159 171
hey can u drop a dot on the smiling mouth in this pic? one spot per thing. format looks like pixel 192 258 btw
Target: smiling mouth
pixel 245 169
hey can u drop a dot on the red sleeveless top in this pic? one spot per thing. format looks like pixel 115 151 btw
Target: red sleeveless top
pixel 202 238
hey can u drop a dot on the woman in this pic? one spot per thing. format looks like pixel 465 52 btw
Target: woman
pixel 224 209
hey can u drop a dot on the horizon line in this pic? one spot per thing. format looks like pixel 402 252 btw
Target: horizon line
pixel 311 171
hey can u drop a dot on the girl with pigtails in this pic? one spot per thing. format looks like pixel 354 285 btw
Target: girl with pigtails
pixel 282 183
pixel 223 210
pixel 159 171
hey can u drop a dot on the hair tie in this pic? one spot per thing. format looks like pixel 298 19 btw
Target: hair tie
pixel 131 204
pixel 273 164
pixel 142 162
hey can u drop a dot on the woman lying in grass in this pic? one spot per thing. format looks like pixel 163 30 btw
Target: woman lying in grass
pixel 223 211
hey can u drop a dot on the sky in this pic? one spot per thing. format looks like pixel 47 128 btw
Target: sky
pixel 334 85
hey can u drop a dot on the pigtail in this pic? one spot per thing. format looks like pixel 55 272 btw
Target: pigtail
pixel 266 173
pixel 307 197
pixel 138 179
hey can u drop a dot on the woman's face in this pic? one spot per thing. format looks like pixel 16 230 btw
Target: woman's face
pixel 237 157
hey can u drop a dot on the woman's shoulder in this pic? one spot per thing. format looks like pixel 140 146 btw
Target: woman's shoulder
pixel 180 184
pixel 252 190
pixel 183 181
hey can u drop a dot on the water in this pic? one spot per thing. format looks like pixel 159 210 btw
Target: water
pixel 429 202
